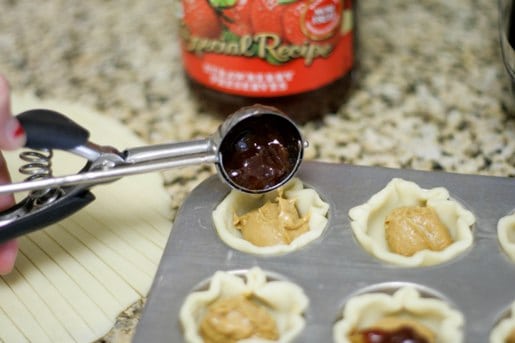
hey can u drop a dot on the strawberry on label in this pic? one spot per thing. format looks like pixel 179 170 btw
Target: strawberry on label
pixel 292 22
pixel 237 17
pixel 266 17
pixel 201 19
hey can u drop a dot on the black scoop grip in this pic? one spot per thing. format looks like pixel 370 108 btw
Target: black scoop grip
pixel 47 129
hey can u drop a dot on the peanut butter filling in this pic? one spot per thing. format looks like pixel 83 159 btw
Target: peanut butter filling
pixel 511 337
pixel 393 329
pixel 231 319
pixel 276 222
pixel 409 230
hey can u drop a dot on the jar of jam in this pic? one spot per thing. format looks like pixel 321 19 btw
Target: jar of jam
pixel 296 55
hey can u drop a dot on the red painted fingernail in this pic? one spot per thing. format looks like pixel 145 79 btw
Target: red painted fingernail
pixel 16 134
pixel 19 131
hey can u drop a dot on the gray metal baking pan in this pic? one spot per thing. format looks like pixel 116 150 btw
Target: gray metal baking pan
pixel 480 283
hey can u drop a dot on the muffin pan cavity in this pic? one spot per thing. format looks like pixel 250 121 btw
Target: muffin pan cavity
pixel 302 199
pixel 368 222
pixel 504 329
pixel 506 235
pixel 390 307
pixel 282 302
pixel 478 282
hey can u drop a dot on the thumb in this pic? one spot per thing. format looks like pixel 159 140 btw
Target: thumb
pixel 12 135
pixel 8 252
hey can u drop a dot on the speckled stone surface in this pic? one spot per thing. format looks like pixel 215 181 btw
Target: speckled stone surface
pixel 433 92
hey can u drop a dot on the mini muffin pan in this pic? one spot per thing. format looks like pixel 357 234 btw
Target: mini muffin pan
pixel 479 283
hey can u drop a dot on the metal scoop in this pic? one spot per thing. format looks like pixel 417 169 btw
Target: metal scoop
pixel 257 149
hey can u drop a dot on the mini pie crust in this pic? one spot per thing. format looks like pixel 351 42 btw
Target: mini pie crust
pixel 308 202
pixel 503 329
pixel 363 310
pixel 367 222
pixel 286 302
pixel 506 235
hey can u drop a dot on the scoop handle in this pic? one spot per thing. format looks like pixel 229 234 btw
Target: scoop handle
pixel 47 129
pixel 23 218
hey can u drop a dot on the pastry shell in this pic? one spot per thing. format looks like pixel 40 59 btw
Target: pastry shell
pixel 506 235
pixel 502 330
pixel 308 202
pixel 367 222
pixel 363 310
pixel 286 302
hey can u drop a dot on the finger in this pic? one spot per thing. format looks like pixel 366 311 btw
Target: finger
pixel 6 200
pixel 12 135
pixel 8 251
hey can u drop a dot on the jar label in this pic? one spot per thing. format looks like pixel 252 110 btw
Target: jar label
pixel 266 48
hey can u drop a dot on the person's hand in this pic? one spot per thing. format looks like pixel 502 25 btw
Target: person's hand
pixel 12 136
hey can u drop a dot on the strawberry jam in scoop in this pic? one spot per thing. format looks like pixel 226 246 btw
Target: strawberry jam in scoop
pixel 261 152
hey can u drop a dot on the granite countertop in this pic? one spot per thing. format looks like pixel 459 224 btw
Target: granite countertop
pixel 433 92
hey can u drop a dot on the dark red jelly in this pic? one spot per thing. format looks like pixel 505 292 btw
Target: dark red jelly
pixel 259 154
pixel 401 335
